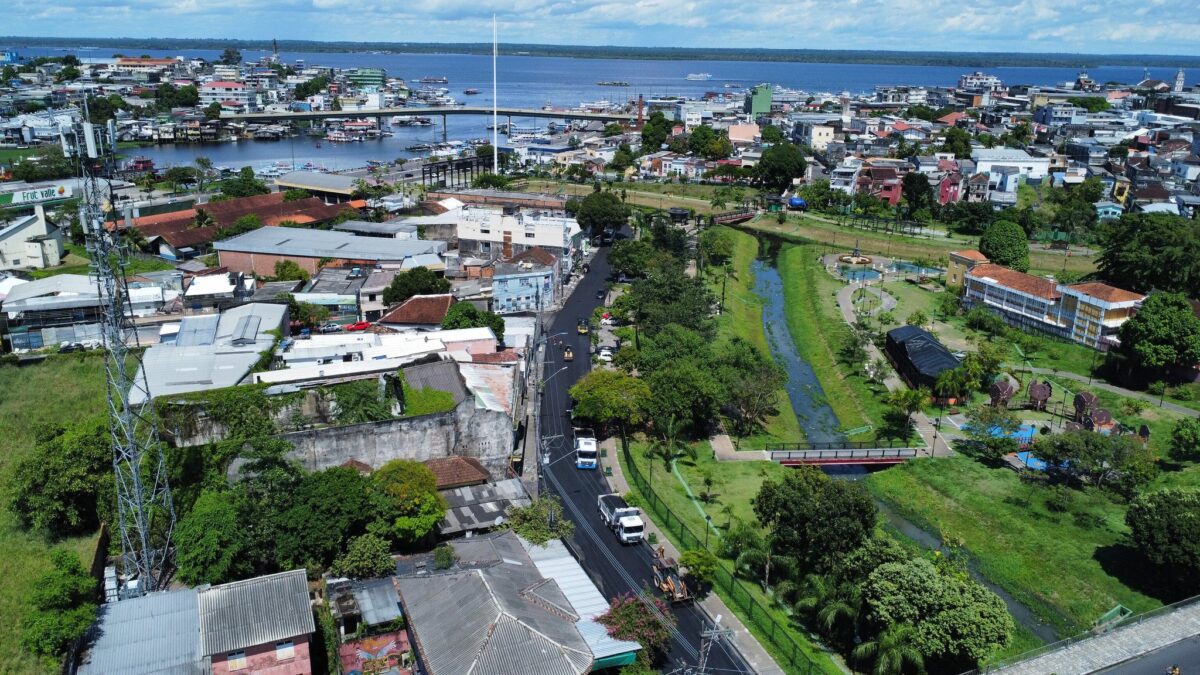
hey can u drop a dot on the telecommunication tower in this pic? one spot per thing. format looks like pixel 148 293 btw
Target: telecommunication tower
pixel 146 513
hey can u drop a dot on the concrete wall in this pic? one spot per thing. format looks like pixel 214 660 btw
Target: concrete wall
pixel 484 434
pixel 263 659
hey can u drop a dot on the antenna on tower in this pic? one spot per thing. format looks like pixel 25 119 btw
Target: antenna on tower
pixel 146 512
pixel 495 105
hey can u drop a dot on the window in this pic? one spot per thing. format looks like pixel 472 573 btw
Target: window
pixel 529 235
pixel 484 230
pixel 284 650
pixel 236 660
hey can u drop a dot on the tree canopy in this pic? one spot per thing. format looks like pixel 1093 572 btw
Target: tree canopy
pixel 209 541
pixel 417 281
pixel 1005 243
pixel 814 519
pixel 1164 334
pixel 779 165
pixel 466 315
pixel 601 212
pixel 1156 251
pixel 1165 527
pixel 66 483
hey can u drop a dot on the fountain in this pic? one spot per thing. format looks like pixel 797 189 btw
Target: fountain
pixel 856 257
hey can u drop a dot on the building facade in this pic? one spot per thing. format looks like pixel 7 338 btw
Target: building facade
pixel 522 287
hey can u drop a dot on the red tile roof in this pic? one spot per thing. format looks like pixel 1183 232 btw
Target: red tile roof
pixel 951 118
pixel 971 255
pixel 1102 291
pixel 537 254
pixel 420 310
pixel 176 228
pixel 357 465
pixel 501 357
pixel 1017 281
pixel 454 472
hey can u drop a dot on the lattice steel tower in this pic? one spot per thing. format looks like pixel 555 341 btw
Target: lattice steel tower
pixel 146 513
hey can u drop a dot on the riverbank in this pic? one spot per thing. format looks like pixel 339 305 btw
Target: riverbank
pixel 742 316
pixel 819 334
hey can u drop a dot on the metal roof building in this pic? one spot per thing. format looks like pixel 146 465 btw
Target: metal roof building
pixel 480 507
pixel 255 612
pixel 501 618
pixel 156 633
pixel 305 243
pixel 211 351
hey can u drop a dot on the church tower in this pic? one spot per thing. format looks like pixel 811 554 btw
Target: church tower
pixel 1178 81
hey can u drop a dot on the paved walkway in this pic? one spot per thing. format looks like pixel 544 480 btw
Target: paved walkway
pixel 935 443
pixel 1096 384
pixel 1118 646
pixel 712 604
pixel 724 451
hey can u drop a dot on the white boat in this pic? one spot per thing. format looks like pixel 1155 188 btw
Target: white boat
pixel 700 77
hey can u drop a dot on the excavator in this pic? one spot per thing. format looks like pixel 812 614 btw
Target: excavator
pixel 667 577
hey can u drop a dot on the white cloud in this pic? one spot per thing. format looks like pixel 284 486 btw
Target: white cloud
pixel 1094 26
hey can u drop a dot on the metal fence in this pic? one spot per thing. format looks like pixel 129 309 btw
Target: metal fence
pixel 840 445
pixel 786 649
pixel 863 453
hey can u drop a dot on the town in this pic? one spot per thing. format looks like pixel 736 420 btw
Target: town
pixel 318 369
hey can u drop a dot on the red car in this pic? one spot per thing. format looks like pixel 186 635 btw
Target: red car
pixel 360 325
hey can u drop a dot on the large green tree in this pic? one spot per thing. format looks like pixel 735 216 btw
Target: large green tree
pixel 601 212
pixel 1165 527
pixel 466 315
pixel 408 500
pixel 1145 252
pixel 958 141
pixel 1005 243
pixel 328 509
pixel 917 193
pixel 64 606
pixel 1164 334
pixel 686 391
pixel 417 281
pixel 366 557
pixel 814 519
pixel 65 485
pixel 245 184
pixel 610 397
pixel 779 165
pixel 672 297
pixel 1185 439
pixel 210 541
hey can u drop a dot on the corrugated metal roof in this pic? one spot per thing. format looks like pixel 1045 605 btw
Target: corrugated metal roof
pixel 377 599
pixel 479 507
pixel 316 180
pixel 157 633
pixel 196 331
pixel 256 611
pixel 291 241
pixel 554 561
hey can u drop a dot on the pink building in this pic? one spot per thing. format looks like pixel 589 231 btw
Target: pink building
pixel 259 625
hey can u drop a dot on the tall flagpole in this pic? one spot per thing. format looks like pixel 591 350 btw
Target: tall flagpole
pixel 495 93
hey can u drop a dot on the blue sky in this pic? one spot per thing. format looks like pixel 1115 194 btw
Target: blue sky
pixel 1089 26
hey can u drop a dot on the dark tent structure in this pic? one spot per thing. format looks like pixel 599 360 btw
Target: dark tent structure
pixel 918 356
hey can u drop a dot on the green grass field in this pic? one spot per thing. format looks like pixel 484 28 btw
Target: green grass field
pixel 743 318
pixel 76 262
pixel 14 155
pixel 61 389
pixel 1068 567
pixel 735 483
pixel 819 332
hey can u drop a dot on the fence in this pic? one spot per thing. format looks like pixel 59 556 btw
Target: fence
pixel 839 445
pixel 864 454
pixel 786 649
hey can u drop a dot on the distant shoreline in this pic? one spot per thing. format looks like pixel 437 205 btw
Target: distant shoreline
pixel 950 59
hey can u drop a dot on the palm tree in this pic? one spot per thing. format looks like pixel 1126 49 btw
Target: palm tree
pixel 667 445
pixel 951 383
pixel 760 556
pixel 891 652
pixel 818 590
pixel 908 401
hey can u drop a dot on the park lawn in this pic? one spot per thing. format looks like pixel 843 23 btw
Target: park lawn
pixel 935 249
pixel 76 262
pixel 820 331
pixel 738 482
pixel 637 194
pixel 1047 560
pixel 63 388
pixel 14 155
pixel 743 318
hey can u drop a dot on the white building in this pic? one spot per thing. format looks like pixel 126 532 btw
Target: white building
pixel 30 242
pixel 1026 165
pixel 979 81
pixel 224 90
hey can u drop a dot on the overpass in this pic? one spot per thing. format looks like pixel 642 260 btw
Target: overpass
pixel 380 113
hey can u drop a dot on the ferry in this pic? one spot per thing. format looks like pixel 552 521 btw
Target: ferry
pixel 612 83
pixel 434 80
pixel 470 92
pixel 404 121
pixel 699 77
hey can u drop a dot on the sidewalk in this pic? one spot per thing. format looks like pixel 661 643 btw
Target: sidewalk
pixel 713 605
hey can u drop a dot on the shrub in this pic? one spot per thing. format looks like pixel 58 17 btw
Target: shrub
pixel 443 557
pixel 1059 500
pixel 366 557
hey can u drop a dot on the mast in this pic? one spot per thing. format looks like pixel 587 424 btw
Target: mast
pixel 495 115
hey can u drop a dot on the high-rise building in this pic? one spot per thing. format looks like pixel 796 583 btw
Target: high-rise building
pixel 1179 81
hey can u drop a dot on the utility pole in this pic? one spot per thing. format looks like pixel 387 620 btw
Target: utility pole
pixel 495 106
pixel 707 638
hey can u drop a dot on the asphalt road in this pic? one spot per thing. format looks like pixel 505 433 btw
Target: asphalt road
pixel 1185 654
pixel 615 568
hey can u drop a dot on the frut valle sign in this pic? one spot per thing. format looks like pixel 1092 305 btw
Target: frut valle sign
pixel 35 195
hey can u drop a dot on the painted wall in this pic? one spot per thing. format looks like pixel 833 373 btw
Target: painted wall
pixel 262 659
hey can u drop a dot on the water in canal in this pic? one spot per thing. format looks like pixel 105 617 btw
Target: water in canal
pixel 817 420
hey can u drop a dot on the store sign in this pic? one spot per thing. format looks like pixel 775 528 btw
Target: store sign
pixel 34 196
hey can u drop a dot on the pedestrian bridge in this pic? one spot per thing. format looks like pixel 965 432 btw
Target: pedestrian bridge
pixel 844 456
pixel 297 115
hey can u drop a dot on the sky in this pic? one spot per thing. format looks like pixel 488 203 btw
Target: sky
pixel 1072 26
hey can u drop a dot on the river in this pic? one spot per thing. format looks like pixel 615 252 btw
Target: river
pixel 820 424
pixel 534 81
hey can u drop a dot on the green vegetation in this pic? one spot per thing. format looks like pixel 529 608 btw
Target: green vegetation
pixel 417 281
pixel 426 401
pixel 76 262
pixel 820 333
pixel 541 521
pixel 742 317
pixel 61 390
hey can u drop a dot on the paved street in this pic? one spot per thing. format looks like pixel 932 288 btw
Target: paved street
pixel 616 569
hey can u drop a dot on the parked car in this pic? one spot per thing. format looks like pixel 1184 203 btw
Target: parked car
pixel 357 325
pixel 68 347
pixel 330 327
pixel 605 354
pixel 305 334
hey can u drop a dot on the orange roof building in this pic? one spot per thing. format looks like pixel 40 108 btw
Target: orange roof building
pixel 419 311
pixel 1088 313
pixel 455 472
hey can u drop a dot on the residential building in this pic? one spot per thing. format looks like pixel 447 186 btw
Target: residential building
pixel 1060 114
pixel 259 625
pixel 370 296
pixel 475 508
pixel 257 251
pixel 882 182
pixel 337 289
pixel 1107 210
pixel 418 313
pixel 493 233
pixel 522 287
pixel 221 91
pixel 1088 313
pixel 979 81
pixel 455 472
pixel 30 242
pixel 1035 168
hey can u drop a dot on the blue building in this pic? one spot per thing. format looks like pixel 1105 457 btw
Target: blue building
pixel 8 56
pixel 1106 210
pixel 522 287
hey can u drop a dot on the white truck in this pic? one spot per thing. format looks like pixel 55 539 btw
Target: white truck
pixel 621 518
pixel 587 453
